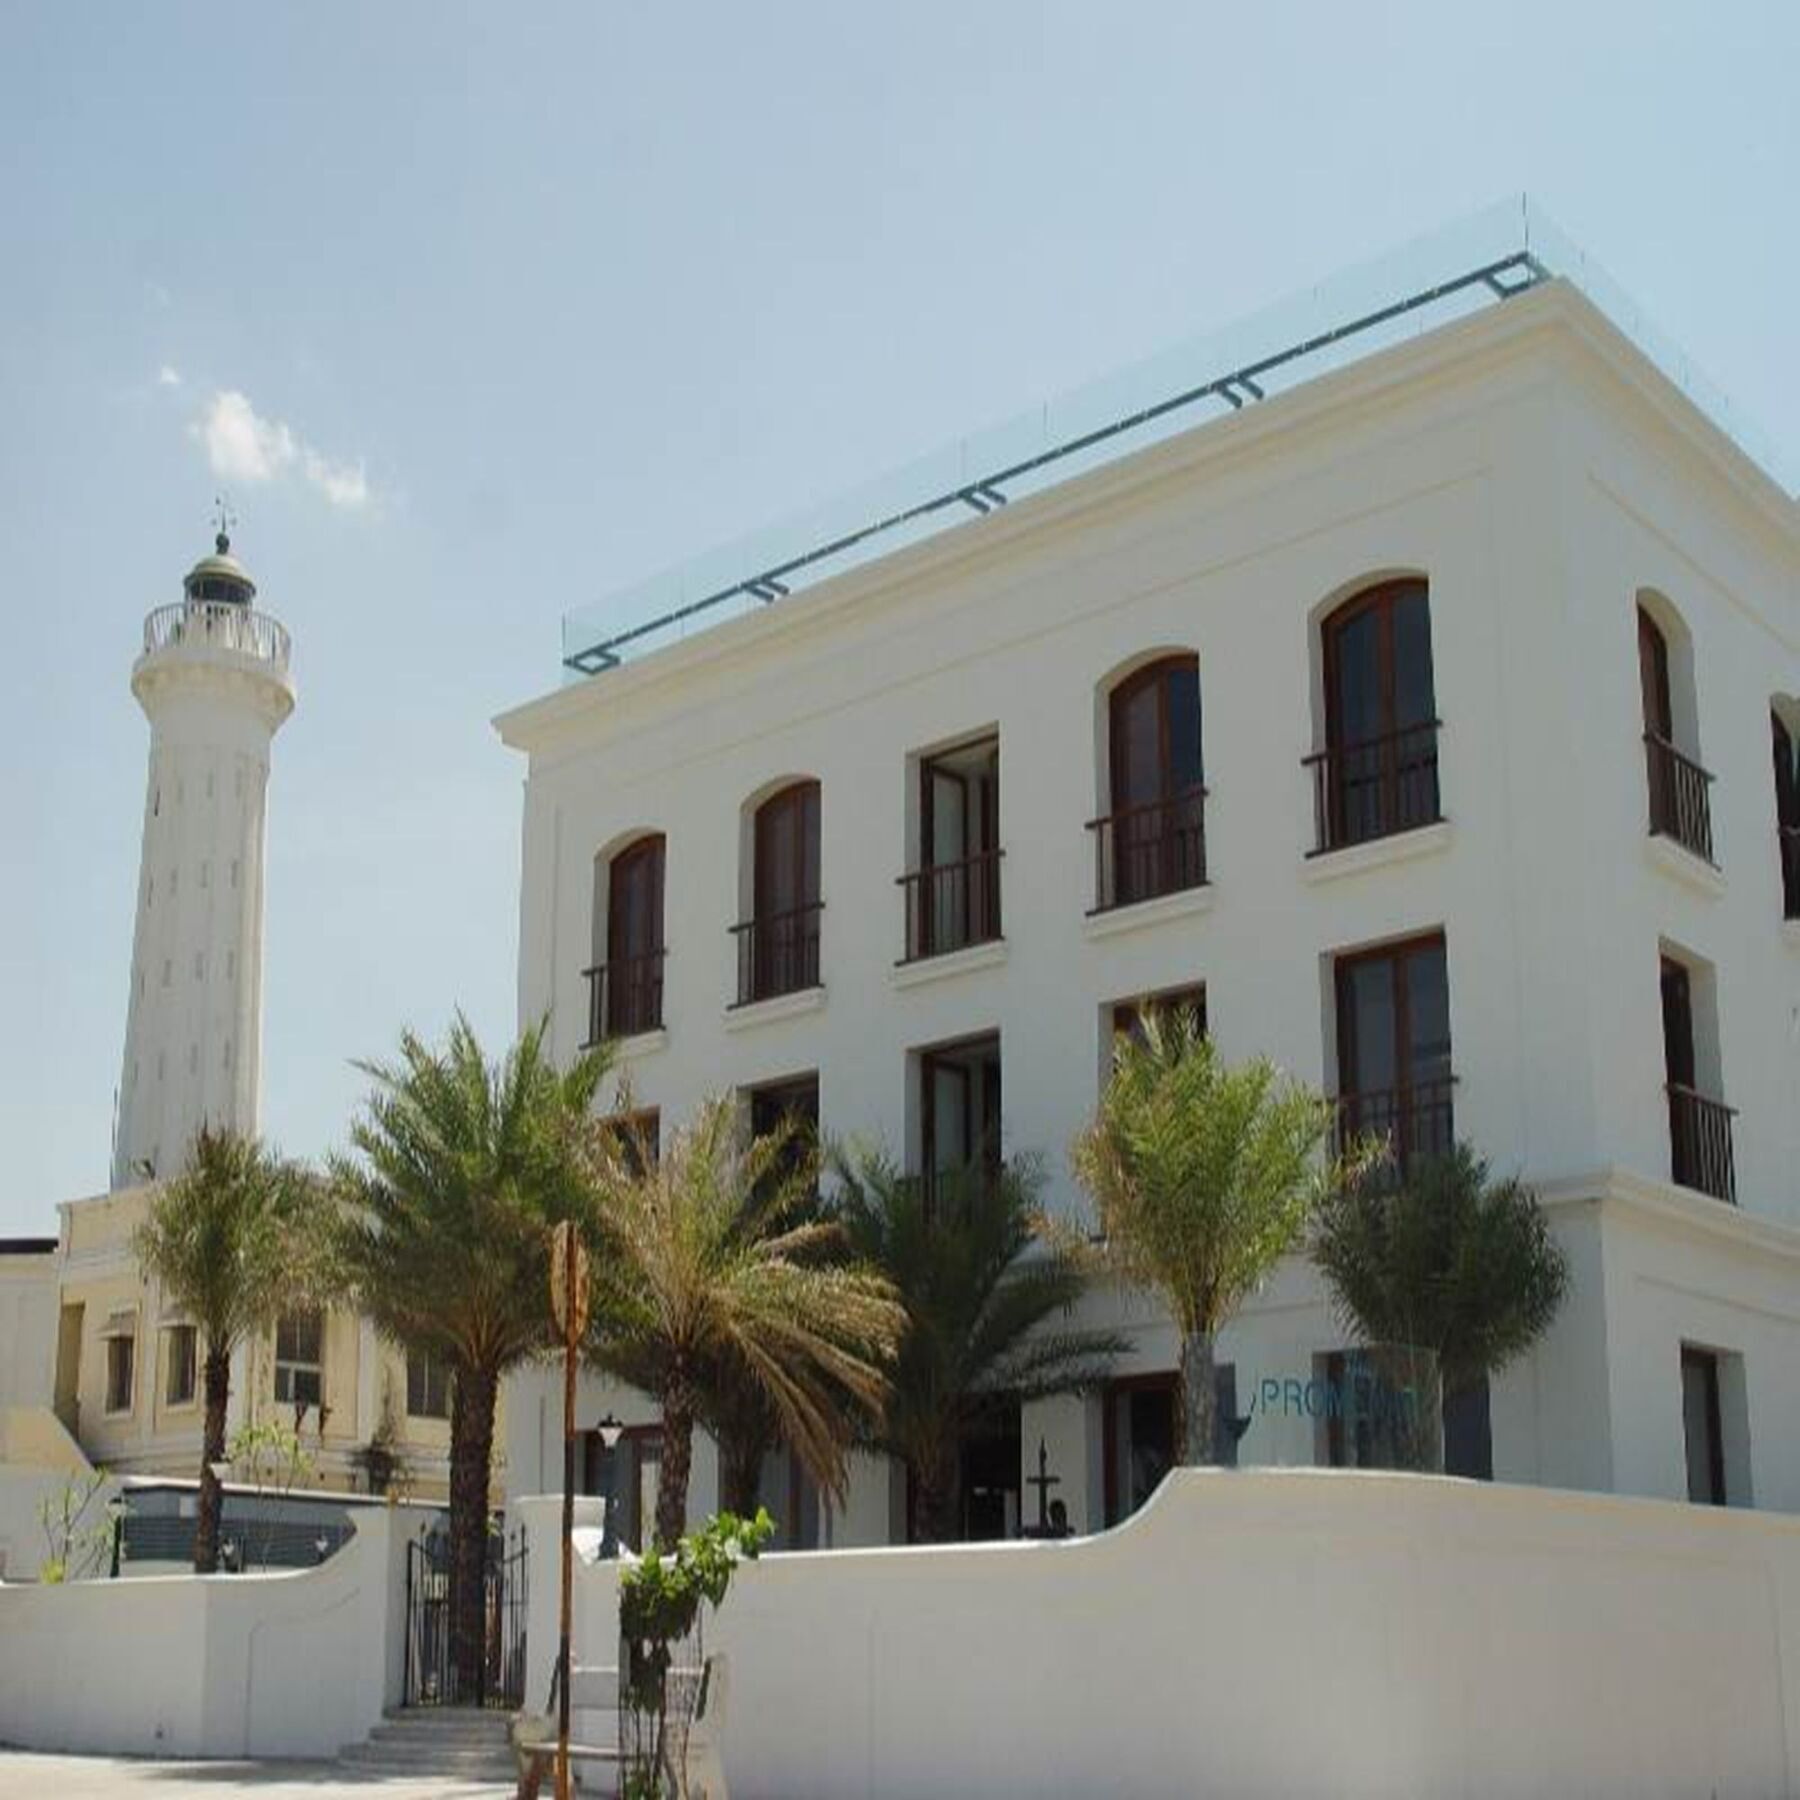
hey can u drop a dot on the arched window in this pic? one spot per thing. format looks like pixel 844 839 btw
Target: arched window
pixel 625 989
pixel 1378 772
pixel 1787 813
pixel 778 945
pixel 1152 841
pixel 1679 788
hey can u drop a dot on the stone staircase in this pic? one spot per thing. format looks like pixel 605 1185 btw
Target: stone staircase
pixel 449 1743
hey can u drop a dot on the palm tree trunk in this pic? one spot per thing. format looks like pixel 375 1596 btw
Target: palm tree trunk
pixel 677 1461
pixel 741 1456
pixel 1196 1446
pixel 471 1463
pixel 937 1502
pixel 217 1377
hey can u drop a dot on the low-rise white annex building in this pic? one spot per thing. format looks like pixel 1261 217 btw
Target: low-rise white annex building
pixel 1415 712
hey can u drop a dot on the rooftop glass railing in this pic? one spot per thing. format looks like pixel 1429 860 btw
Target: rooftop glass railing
pixel 1479 262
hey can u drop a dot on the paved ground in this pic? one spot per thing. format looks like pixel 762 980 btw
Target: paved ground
pixel 27 1776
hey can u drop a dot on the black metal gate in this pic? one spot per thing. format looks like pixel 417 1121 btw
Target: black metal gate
pixel 432 1677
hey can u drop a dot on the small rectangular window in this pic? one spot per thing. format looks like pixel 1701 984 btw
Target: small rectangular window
pixel 184 1365
pixel 427 1386
pixel 1127 1014
pixel 300 1359
pixel 120 1367
pixel 1702 1426
pixel 638 1136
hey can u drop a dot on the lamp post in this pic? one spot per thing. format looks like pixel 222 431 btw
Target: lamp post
pixel 610 1430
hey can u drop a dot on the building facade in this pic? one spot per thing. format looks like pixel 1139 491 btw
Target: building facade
pixel 1418 719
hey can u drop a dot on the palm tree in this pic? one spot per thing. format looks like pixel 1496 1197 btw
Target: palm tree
pixel 1446 1260
pixel 987 1290
pixel 1204 1176
pixel 715 1280
pixel 235 1239
pixel 463 1166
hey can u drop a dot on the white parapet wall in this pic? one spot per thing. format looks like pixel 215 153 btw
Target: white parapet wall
pixel 296 1664
pixel 1268 1634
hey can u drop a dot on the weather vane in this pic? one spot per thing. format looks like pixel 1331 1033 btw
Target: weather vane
pixel 224 519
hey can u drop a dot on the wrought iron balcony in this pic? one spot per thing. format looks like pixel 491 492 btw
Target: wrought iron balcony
pixel 1376 788
pixel 1680 803
pixel 950 906
pixel 625 997
pixel 1143 852
pixel 1700 1143
pixel 218 625
pixel 778 953
pixel 1417 1120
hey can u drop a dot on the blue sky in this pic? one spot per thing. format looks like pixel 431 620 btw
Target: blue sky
pixel 489 310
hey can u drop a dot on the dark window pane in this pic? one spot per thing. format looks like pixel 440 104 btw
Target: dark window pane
pixel 1182 693
pixel 1468 1433
pixel 1428 1014
pixel 1653 676
pixel 1369 1049
pixel 1355 715
pixel 1415 702
pixel 1701 1427
pixel 1678 1024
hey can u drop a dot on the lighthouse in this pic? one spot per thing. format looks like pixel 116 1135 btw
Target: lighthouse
pixel 215 683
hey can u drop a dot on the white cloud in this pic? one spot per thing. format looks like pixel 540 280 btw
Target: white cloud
pixel 242 446
pixel 341 484
pixel 168 376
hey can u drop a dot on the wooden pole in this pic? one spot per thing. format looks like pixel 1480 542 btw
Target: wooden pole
pixel 570 1337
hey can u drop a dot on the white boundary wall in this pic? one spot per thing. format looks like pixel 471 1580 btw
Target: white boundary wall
pixel 296 1664
pixel 1268 1634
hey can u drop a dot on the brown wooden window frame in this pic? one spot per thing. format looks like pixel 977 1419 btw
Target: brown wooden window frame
pixel 1678 787
pixel 1787 811
pixel 1398 765
pixel 181 1384
pixel 1413 1101
pixel 954 903
pixel 625 994
pixel 778 946
pixel 1701 1156
pixel 1192 995
pixel 1150 847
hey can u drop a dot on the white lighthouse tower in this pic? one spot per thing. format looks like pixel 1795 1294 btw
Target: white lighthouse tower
pixel 213 679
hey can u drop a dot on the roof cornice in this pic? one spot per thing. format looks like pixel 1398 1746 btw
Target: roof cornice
pixel 1554 312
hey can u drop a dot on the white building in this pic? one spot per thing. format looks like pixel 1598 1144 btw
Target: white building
pixel 1488 629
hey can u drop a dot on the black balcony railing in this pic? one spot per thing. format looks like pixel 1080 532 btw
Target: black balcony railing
pixel 950 906
pixel 1376 788
pixel 1680 803
pixel 1790 871
pixel 1415 1121
pixel 625 997
pixel 1142 852
pixel 778 953
pixel 1700 1143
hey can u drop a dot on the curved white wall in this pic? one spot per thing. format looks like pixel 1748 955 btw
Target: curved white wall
pixel 1268 1635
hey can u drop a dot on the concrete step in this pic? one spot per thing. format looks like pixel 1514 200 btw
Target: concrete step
pixel 453 1742
pixel 446 1731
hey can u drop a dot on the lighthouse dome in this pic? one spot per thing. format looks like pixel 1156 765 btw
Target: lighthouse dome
pixel 219 576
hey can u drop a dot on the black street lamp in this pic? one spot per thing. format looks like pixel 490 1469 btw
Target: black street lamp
pixel 610 1430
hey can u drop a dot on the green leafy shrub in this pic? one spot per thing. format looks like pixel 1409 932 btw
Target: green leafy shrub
pixel 660 1599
